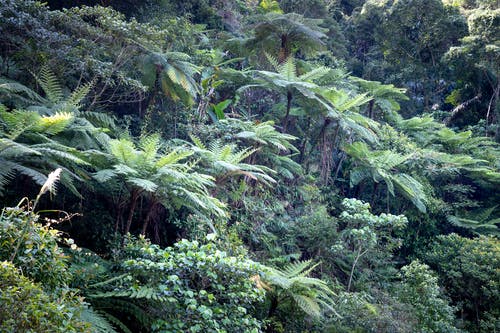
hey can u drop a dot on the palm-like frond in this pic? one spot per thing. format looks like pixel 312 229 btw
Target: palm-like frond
pixel 98 321
pixel 79 94
pixel 479 222
pixel 292 283
pixel 18 94
pixel 173 72
pixel 35 140
pixel 226 160
pixel 149 171
pixel 124 151
pixel 293 29
pixel 383 166
pixel 54 124
pixel 265 134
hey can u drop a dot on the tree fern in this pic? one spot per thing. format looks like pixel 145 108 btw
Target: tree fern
pixel 159 176
pixel 287 32
pixel 383 166
pixel 227 160
pixel 173 72
pixel 292 283
pixel 479 222
pixel 18 94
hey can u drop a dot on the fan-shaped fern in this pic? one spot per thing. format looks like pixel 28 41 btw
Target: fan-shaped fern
pixel 292 283
pixel 226 160
pixel 158 176
pixel 383 166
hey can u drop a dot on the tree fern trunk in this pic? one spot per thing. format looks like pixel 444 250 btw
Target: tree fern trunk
pixel 148 218
pixel 133 203
pixel 371 113
pixel 283 55
pixel 288 107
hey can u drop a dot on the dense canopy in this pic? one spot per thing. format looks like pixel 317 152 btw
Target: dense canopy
pixel 249 166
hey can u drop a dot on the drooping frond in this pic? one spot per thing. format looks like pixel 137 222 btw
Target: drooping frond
pixel 479 222
pixel 98 321
pixel 173 72
pixel 173 157
pixel 16 122
pixel 411 189
pixel 342 101
pixel 292 31
pixel 311 295
pixel 315 74
pixel 226 160
pixel 18 94
pixel 383 166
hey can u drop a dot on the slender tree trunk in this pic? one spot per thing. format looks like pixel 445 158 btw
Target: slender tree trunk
pixel 148 218
pixel 359 255
pixel 288 107
pixel 374 194
pixel 304 141
pixel 133 203
pixel 272 307
pixel 326 151
pixel 339 166
pixel 283 55
pixel 371 113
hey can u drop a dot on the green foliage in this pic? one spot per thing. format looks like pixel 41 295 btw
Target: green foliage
pixel 173 73
pixel 285 34
pixel 469 271
pixel 25 307
pixel 375 311
pixel 226 161
pixel 479 222
pixel 41 137
pixel 151 172
pixel 189 287
pixel 291 108
pixel 39 257
pixel 420 289
pixel 380 166
pixel 292 284
pixel 363 233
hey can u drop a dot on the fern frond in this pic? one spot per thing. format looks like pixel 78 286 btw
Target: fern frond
pixel 15 91
pixel 79 94
pixel 98 321
pixel 297 268
pixel 50 85
pixel 149 145
pixel 315 74
pixel 54 124
pixel 308 305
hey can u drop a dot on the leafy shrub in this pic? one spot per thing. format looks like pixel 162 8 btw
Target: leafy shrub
pixel 25 307
pixel 376 311
pixel 364 233
pixel 38 255
pixel 420 289
pixel 189 287
pixel 469 270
